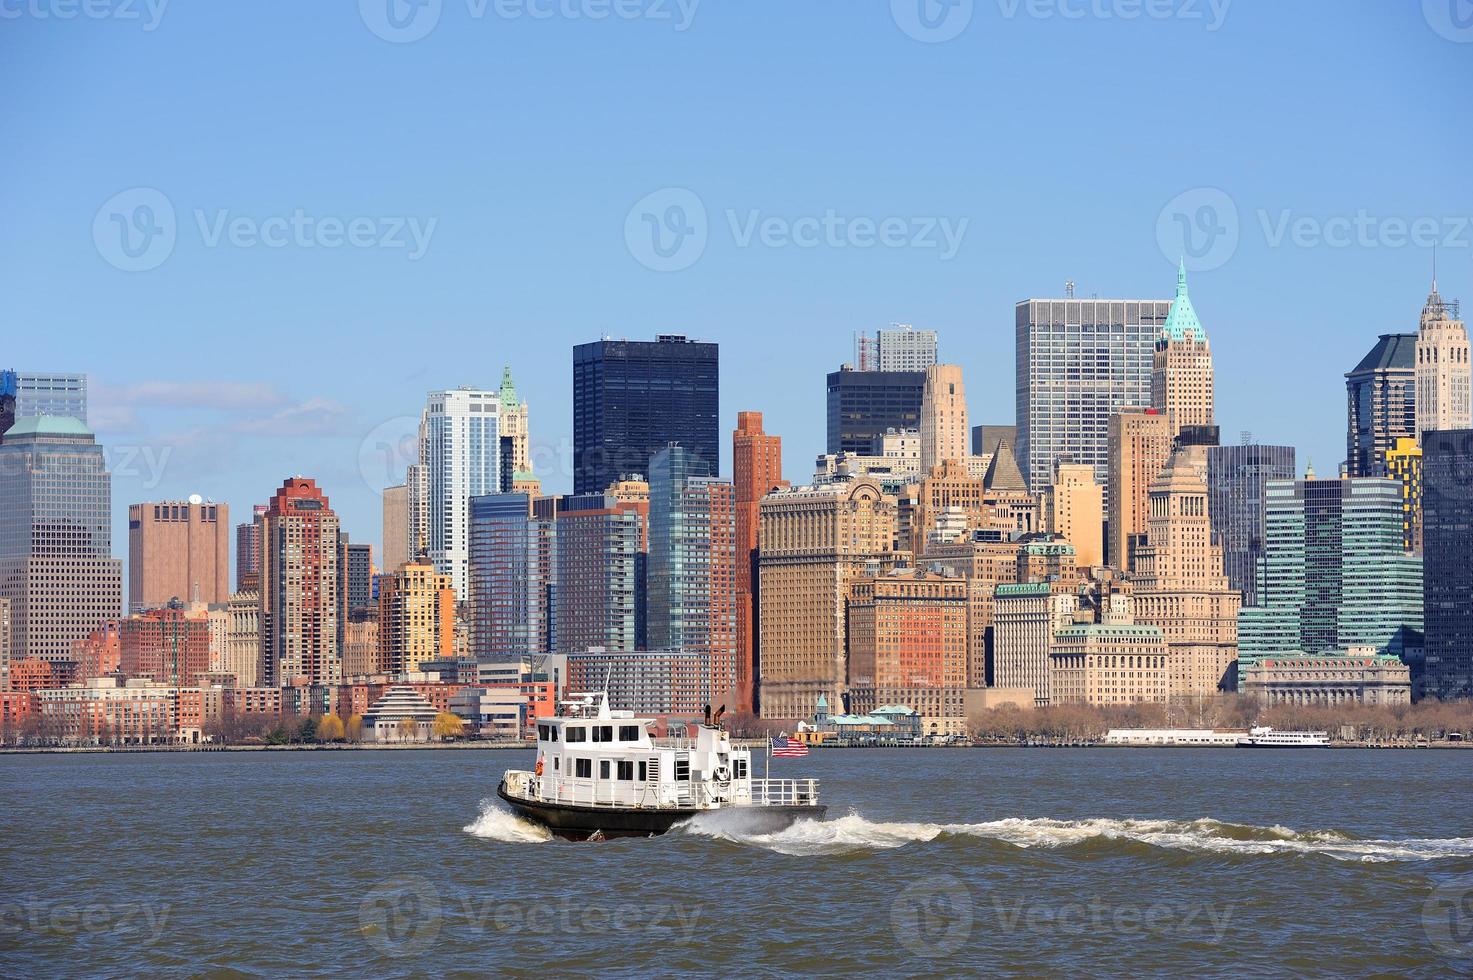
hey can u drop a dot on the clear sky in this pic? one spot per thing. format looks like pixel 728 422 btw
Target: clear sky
pixel 270 310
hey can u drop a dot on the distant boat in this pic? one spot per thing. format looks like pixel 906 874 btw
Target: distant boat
pixel 1271 738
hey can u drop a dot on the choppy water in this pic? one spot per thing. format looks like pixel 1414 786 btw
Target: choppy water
pixel 1099 862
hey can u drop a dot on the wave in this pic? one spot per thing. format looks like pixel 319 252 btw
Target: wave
pixel 1204 836
pixel 496 823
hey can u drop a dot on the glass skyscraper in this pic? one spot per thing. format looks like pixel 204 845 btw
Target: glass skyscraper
pixel 460 449
pixel 862 405
pixel 600 573
pixel 1381 403
pixel 513 563
pixel 1333 573
pixel 1236 479
pixel 51 394
pixel 633 398
pixel 1079 361
pixel 1447 542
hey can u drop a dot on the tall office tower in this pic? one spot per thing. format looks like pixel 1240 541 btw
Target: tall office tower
pixel 417 505
pixel 1381 403
pixel 812 543
pixel 1181 367
pixel 9 386
pixel 944 430
pixel 395 547
pixel 904 348
pixel 356 562
pixel 692 565
pixel 56 564
pixel 243 638
pixel 250 551
pixel 516 445
pixel 1447 537
pixel 864 405
pixel 460 449
pixel 1080 361
pixel 1444 372
pixel 1140 444
pixel 300 579
pixel 1333 573
pixel 1074 510
pixel 757 469
pixel 1178 579
pixel 1236 479
pixel 416 617
pixel 5 639
pixel 1026 616
pixel 986 438
pixel 1404 465
pixel 513 564
pixel 633 398
pixel 601 551
pixel 177 550
pixel 62 395
pixel 170 645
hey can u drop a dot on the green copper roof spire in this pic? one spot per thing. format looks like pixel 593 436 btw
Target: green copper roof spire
pixel 1182 323
pixel 508 389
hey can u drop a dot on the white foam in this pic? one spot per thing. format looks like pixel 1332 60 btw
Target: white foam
pixel 495 823
pixel 853 832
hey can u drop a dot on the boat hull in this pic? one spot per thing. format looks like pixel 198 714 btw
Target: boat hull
pixel 573 822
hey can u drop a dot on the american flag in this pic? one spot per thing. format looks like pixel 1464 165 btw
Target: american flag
pixel 787 748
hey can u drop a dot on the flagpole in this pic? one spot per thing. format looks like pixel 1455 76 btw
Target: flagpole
pixel 768 774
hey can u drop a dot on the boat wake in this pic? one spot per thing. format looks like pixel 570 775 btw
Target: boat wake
pixel 496 823
pixel 1204 836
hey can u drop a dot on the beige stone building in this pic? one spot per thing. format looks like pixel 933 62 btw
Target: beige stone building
pixel 1074 509
pixel 178 550
pixel 1359 675
pixel 1181 366
pixel 396 526
pixel 1444 381
pixel 814 541
pixel 416 618
pixel 1179 583
pixel 945 433
pixel 360 644
pixel 984 565
pixel 1025 618
pixel 243 639
pixel 1099 664
pixel 1140 443
pixel 946 485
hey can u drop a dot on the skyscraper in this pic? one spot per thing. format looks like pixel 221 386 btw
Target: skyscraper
pixel 1333 573
pixel 56 564
pixel 1404 465
pixel 516 445
pixel 396 526
pixel 1074 510
pixel 944 430
pixel 178 550
pixel 1236 479
pixel 692 565
pixel 513 562
pixel 62 395
pixel 356 563
pixel 757 468
pixel 416 617
pixel 1447 537
pixel 1181 367
pixel 300 579
pixel 864 405
pixel 631 399
pixel 461 454
pixel 601 553
pixel 1444 373
pixel 1080 361
pixel 1140 444
pixel 904 348
pixel 1381 403
pixel 250 551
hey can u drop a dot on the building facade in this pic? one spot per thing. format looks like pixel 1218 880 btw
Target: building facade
pixel 1025 617
pixel 178 550
pixel 602 547
pixel 169 645
pixel 1447 538
pixel 395 549
pixel 460 450
pixel 1444 372
pixel 757 469
pixel 1074 509
pixel 513 568
pixel 864 405
pixel 250 551
pixel 1329 679
pixel 1140 444
pixel 904 348
pixel 1237 477
pixel 631 399
pixel 416 618
pixel 300 579
pixel 1404 465
pixel 1181 368
pixel 1381 403
pixel 1103 665
pixel 945 432
pixel 48 393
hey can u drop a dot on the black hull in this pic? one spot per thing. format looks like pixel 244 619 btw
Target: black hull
pixel 573 822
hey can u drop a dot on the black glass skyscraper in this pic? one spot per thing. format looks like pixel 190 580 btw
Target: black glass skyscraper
pixel 1381 403
pixel 1236 477
pixel 632 398
pixel 1447 584
pixel 863 404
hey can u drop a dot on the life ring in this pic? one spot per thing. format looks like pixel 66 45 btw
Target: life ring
pixel 537 771
pixel 722 778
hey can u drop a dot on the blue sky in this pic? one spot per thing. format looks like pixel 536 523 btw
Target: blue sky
pixel 817 148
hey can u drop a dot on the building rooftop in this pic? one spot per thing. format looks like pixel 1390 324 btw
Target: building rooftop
pixel 1182 323
pixel 1392 350
pixel 48 425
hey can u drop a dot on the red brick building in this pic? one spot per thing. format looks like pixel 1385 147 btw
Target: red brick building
pixel 165 645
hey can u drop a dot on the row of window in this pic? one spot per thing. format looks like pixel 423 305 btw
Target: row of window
pixel 584 733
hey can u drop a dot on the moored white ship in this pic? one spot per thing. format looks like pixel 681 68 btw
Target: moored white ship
pixel 600 773
pixel 1262 737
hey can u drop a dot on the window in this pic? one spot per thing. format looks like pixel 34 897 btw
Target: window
pixel 542 733
pixel 583 768
pixel 629 733
pixel 556 762
pixel 739 769
pixel 577 734
pixel 643 772
pixel 603 733
pixel 626 771
pixel 603 769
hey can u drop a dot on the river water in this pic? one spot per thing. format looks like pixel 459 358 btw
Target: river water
pixel 1099 862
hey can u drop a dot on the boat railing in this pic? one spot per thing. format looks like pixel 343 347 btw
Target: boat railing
pixel 784 792
pixel 673 742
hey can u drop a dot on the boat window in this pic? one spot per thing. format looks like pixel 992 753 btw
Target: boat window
pixel 583 768
pixel 603 769
pixel 626 771
pixel 542 733
pixel 556 762
pixel 643 772
pixel 739 769
pixel 682 767
pixel 553 729
pixel 577 734
pixel 629 733
pixel 603 733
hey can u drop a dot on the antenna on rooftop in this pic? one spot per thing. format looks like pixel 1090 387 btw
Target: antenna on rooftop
pixel 1068 288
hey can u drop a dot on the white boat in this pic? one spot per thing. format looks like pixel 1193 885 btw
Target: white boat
pixel 1262 737
pixel 599 774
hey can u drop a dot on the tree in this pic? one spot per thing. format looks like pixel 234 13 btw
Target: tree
pixel 307 730
pixel 447 725
pixel 353 730
pixel 330 729
pixel 408 728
